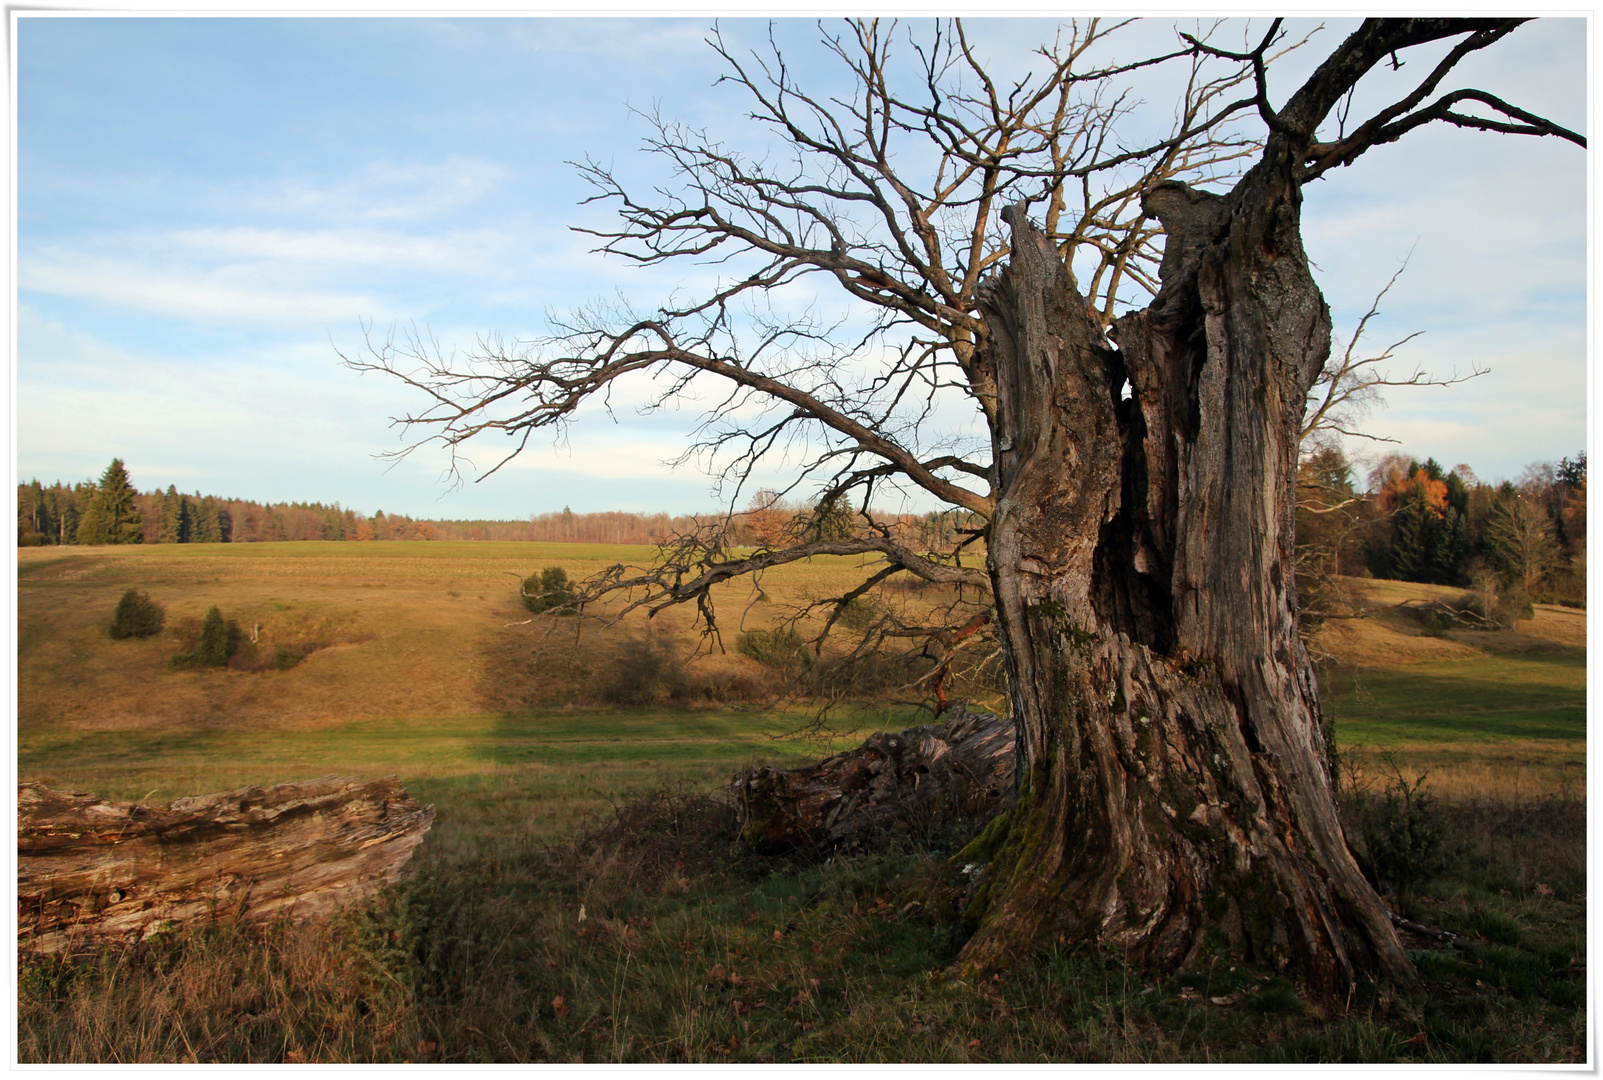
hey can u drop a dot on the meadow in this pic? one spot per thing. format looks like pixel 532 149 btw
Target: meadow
pixel 556 801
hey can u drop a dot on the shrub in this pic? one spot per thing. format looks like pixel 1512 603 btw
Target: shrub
pixel 859 614
pixel 647 672
pixel 1513 605
pixel 1436 623
pixel 212 650
pixel 137 615
pixel 781 649
pixel 547 590
pixel 219 639
pixel 1403 836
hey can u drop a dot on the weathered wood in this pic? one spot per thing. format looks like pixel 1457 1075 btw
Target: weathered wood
pixel 92 869
pixel 1175 779
pixel 929 776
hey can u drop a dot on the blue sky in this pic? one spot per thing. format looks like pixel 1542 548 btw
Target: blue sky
pixel 209 208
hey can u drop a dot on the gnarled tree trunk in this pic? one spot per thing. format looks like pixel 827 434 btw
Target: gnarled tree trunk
pixel 1174 775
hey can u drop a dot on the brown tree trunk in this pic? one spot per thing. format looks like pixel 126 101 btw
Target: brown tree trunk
pixel 91 869
pixel 935 777
pixel 1175 788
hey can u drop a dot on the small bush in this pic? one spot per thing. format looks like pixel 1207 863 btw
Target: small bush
pixel 137 615
pixel 780 649
pixel 859 614
pixel 547 590
pixel 647 672
pixel 1514 605
pixel 1403 836
pixel 1436 623
pixel 219 639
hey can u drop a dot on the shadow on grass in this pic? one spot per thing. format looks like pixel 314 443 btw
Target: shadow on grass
pixel 1526 699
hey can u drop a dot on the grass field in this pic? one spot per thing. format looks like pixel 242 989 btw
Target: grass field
pixel 422 664
pixel 1486 714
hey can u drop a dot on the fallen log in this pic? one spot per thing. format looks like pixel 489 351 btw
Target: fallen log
pixel 92 870
pixel 950 776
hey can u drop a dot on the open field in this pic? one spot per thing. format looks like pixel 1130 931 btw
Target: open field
pixel 1485 713
pixel 425 667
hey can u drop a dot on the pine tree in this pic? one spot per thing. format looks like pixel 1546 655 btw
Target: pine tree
pixel 1449 548
pixel 205 529
pixel 111 516
pixel 34 524
pixel 1408 555
pixel 212 648
pixel 177 518
pixel 63 513
pixel 833 520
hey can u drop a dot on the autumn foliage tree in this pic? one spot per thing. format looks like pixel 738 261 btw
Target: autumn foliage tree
pixel 1134 488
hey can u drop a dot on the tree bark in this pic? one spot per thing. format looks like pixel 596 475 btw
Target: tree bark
pixel 1175 786
pixel 936 777
pixel 91 870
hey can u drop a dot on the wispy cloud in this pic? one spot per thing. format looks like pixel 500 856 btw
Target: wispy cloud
pixel 385 192
pixel 219 295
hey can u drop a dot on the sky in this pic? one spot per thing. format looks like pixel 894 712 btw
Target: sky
pixel 211 211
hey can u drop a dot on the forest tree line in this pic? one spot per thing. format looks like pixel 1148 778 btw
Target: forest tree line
pixel 1419 521
pixel 111 510
pixel 1411 521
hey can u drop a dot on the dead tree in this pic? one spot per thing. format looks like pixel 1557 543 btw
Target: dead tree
pixel 933 778
pixel 92 870
pixel 1135 490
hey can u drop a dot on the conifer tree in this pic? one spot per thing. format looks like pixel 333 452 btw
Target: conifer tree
pixel 177 519
pixel 212 649
pixel 34 524
pixel 63 513
pixel 111 516
pixel 206 528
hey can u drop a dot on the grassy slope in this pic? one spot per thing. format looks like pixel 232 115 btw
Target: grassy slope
pixel 1485 713
pixel 695 957
pixel 433 676
pixel 430 637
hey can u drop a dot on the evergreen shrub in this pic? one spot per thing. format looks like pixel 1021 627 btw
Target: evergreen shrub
pixel 137 615
pixel 219 639
pixel 547 590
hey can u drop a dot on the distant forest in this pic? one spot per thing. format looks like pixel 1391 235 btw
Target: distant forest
pixel 1418 521
pixel 1410 520
pixel 111 510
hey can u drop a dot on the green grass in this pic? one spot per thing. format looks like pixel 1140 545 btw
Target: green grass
pixel 547 769
pixel 654 940
pixel 1490 699
pixel 692 949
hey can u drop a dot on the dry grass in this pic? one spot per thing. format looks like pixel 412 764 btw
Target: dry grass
pixel 690 951
pixel 405 631
pixel 1498 714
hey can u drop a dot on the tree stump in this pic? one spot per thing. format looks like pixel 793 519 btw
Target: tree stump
pixel 92 870
pixel 951 775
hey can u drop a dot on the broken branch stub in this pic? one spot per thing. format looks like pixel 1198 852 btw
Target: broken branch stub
pixel 92 870
pixel 941 776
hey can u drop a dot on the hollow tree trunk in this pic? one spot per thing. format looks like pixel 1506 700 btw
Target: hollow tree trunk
pixel 1174 776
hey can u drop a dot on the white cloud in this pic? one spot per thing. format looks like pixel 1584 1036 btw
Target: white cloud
pixel 386 192
pixel 219 295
